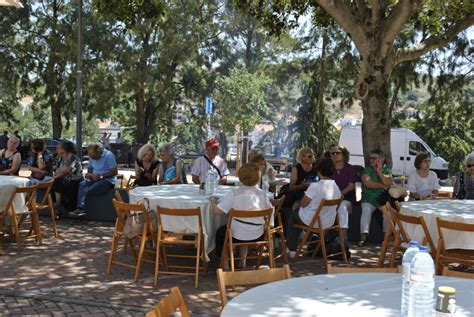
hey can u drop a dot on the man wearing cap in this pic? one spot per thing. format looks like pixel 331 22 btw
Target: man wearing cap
pixel 210 158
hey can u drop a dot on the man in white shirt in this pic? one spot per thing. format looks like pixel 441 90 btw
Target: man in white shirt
pixel 202 164
pixel 326 189
pixel 119 139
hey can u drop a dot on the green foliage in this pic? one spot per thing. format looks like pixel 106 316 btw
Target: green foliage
pixel 240 99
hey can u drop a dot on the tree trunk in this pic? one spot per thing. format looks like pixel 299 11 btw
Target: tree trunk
pixel 322 83
pixel 56 120
pixel 142 135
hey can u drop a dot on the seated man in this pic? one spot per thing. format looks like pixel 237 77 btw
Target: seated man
pixel 101 176
pixel 246 197
pixel 210 158
pixel 327 189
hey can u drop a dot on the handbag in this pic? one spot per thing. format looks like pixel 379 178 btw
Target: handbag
pixel 135 222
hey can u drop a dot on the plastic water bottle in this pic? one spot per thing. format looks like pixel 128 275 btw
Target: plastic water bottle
pixel 211 181
pixel 422 269
pixel 406 262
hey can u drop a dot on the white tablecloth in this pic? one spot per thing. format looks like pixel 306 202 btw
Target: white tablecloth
pixel 451 210
pixel 7 185
pixel 353 294
pixel 184 196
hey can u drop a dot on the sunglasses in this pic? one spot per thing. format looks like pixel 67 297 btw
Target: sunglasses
pixel 336 153
pixel 427 161
pixel 374 158
pixel 469 165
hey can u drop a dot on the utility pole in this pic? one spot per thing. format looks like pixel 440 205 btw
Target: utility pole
pixel 322 82
pixel 79 81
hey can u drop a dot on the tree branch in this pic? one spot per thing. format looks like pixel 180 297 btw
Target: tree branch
pixel 397 19
pixel 346 18
pixel 434 42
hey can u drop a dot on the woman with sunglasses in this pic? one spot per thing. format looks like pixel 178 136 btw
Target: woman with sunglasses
pixel 423 182
pixel 302 175
pixel 464 185
pixel 345 176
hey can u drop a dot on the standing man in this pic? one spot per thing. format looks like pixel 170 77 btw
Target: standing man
pixel 4 140
pixel 17 134
pixel 105 140
pixel 101 176
pixel 119 139
pixel 210 158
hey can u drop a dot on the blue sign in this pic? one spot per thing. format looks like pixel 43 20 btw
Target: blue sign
pixel 208 105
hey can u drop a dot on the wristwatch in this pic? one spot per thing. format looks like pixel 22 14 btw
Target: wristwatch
pixel 101 176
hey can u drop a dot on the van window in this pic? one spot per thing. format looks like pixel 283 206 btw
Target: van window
pixel 417 147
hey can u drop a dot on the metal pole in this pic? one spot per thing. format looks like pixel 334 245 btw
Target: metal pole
pixel 79 81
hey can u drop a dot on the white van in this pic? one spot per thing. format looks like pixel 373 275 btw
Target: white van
pixel 405 146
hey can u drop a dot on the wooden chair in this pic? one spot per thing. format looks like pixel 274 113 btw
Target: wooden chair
pixel 120 181
pixel 249 277
pixel 278 228
pixel 267 241
pixel 402 237
pixel 447 256
pixel 130 182
pixel 126 211
pixel 167 238
pixel 46 202
pixel 448 272
pixel 168 305
pixel 339 269
pixel 387 241
pixel 19 217
pixel 321 231
pixel 444 195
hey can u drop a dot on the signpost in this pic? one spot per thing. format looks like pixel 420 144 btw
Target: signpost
pixel 209 113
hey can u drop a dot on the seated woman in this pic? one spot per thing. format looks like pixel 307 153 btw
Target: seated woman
pixel 302 175
pixel 246 197
pixel 40 163
pixel 464 184
pixel 146 166
pixel 10 158
pixel 172 169
pixel 264 182
pixel 327 189
pixel 422 182
pixel 67 176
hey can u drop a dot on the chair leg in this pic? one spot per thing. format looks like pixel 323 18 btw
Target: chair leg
pixel 140 254
pixel 231 254
pixel 343 245
pixel 323 248
pixel 203 256
pixel 383 251
pixel 53 217
pixel 157 260
pixel 36 226
pixel 115 241
pixel 198 255
pixel 224 251
pixel 271 259
pixel 302 243
pixel 396 245
pixel 15 226
pixel 283 246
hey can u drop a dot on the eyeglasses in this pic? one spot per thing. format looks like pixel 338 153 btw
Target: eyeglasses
pixel 469 165
pixel 374 158
pixel 308 155
pixel 336 153
pixel 427 161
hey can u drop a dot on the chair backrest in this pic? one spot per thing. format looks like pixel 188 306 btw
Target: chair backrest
pixel 29 192
pixel 130 181
pixel 46 187
pixel 278 203
pixel 122 195
pixel 420 221
pixel 124 210
pixel 175 212
pixel 448 272
pixel 250 277
pixel 169 305
pixel 120 179
pixel 265 213
pixel 338 269
pixel 451 225
pixel 322 204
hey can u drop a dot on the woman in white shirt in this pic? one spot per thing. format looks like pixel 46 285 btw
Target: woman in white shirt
pixel 423 182
pixel 246 197
pixel 327 189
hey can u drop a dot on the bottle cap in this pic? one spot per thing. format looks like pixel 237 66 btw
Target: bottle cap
pixel 446 290
pixel 413 243
pixel 423 248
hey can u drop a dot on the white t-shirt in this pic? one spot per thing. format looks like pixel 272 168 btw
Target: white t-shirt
pixel 324 189
pixel 423 186
pixel 201 166
pixel 246 198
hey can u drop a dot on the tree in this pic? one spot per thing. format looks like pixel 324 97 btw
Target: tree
pixel 379 30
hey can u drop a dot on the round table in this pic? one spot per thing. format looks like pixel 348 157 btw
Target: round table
pixel 184 196
pixel 446 209
pixel 7 185
pixel 351 294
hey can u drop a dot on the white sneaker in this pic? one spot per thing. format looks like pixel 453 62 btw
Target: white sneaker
pixel 291 254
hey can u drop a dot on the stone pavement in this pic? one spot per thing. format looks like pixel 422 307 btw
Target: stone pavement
pixel 67 276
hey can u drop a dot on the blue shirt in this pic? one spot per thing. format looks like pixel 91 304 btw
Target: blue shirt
pixel 104 165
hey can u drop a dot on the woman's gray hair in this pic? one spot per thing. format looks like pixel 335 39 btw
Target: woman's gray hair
pixel 469 158
pixel 166 148
pixel 16 139
pixel 146 148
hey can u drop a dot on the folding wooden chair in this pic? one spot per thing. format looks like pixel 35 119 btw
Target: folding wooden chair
pixel 130 182
pixel 448 272
pixel 120 181
pixel 249 277
pixel 278 228
pixel 167 238
pixel 19 216
pixel 447 256
pixel 321 231
pixel 340 269
pixel 168 305
pixel 267 241
pixel 389 234
pixel 47 203
pixel 124 212
pixel 401 237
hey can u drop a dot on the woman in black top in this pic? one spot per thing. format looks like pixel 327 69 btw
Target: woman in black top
pixel 146 166
pixel 10 158
pixel 302 174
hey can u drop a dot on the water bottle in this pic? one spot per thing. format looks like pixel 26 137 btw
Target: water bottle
pixel 421 300
pixel 211 181
pixel 406 262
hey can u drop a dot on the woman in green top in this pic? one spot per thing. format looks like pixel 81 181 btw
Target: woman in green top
pixel 376 178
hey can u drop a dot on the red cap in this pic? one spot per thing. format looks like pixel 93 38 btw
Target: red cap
pixel 212 144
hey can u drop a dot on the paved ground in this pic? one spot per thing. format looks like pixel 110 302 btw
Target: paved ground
pixel 67 276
